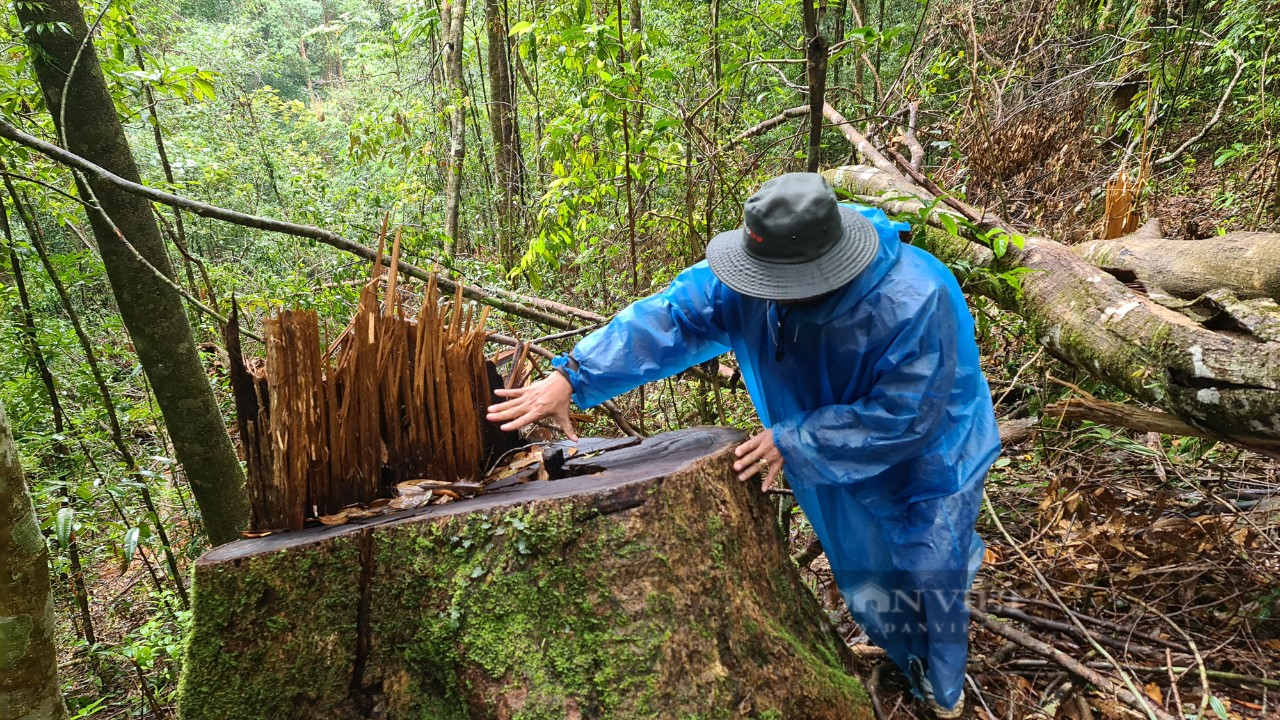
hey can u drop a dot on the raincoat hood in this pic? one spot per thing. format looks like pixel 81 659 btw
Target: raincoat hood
pixel 883 418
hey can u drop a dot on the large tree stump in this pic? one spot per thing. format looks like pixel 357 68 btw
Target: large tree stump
pixel 647 583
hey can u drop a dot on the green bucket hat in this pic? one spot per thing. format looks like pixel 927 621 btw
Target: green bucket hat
pixel 796 242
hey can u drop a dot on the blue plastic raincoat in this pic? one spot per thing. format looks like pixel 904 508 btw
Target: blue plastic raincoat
pixel 882 416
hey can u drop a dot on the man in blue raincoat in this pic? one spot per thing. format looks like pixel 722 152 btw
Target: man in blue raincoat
pixel 858 352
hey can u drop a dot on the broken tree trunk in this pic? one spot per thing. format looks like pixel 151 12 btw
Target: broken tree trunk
pixel 1225 383
pixel 1245 264
pixel 646 582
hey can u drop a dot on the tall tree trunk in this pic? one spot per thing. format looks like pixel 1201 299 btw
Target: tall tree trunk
pixel 455 15
pixel 626 166
pixel 504 124
pixel 816 69
pixel 28 663
pixel 837 36
pixel 152 312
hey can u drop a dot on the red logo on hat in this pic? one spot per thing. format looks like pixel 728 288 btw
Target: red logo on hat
pixel 754 235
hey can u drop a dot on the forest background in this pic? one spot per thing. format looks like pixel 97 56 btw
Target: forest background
pixel 582 152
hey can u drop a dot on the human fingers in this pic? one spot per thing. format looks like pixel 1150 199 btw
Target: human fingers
pixel 566 424
pixel 509 410
pixel 507 404
pixel 744 453
pixel 756 464
pixel 511 392
pixel 771 476
pixel 528 418
pixel 747 446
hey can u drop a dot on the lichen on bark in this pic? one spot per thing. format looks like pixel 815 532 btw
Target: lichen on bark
pixel 28 663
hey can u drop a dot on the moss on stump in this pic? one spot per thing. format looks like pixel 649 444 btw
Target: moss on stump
pixel 651 585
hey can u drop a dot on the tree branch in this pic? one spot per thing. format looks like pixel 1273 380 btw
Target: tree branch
pixel 1213 121
pixel 327 237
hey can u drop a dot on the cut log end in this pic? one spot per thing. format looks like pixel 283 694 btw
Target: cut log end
pixel 649 583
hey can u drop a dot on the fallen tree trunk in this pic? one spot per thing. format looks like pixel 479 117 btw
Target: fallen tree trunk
pixel 1245 264
pixel 1227 384
pixel 647 582
pixel 1120 415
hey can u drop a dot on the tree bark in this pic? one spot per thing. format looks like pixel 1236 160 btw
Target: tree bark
pixel 454 13
pixel 1225 383
pixel 816 69
pixel 28 662
pixel 152 312
pixel 1246 264
pixel 646 582
pixel 504 124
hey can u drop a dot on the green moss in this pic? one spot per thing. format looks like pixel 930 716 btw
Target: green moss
pixel 828 677
pixel 541 623
pixel 291 613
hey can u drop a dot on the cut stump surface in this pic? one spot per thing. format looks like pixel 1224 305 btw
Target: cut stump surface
pixel 649 582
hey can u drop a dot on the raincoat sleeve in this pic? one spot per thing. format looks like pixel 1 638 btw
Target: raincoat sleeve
pixel 898 420
pixel 652 338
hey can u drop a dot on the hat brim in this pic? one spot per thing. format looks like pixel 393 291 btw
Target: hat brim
pixel 751 276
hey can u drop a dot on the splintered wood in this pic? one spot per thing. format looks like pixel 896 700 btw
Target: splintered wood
pixel 393 399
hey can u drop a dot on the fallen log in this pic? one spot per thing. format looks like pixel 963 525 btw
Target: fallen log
pixel 1245 264
pixel 1121 415
pixel 1222 382
pixel 645 582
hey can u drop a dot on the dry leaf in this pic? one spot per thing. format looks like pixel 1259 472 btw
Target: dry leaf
pixel 427 483
pixel 1153 691
pixel 409 502
pixel 338 518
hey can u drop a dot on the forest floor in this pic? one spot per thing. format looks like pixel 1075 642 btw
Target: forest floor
pixel 1167 550
pixel 1160 558
pixel 1168 558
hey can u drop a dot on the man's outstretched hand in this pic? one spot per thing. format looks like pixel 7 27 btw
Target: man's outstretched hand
pixel 752 452
pixel 549 397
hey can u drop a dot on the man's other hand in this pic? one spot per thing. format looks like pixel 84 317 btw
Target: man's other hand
pixel 751 454
pixel 549 397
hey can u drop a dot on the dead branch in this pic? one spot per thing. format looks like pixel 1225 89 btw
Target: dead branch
pixel 327 237
pixel 860 143
pixel 1010 613
pixel 767 125
pixel 1217 113
pixel 1068 663
pixel 1134 418
pixel 909 138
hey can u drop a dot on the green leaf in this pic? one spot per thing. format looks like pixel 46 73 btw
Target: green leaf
pixel 63 525
pixel 520 28
pixel 1218 708
pixel 949 223
pixel 130 544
